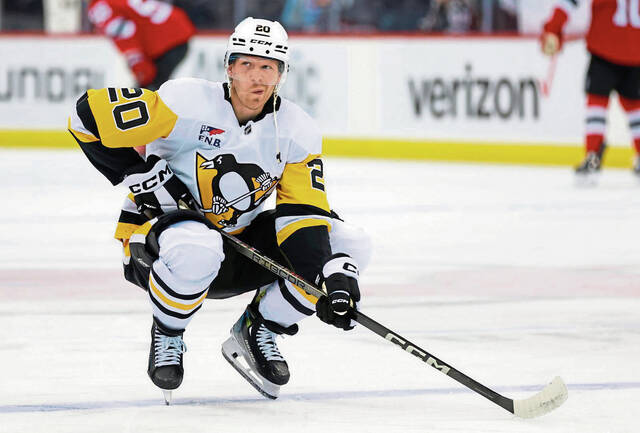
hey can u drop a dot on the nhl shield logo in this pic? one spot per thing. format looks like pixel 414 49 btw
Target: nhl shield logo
pixel 208 133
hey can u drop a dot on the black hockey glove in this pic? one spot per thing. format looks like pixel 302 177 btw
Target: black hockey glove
pixel 154 185
pixel 339 280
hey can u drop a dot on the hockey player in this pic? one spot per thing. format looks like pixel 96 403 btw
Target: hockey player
pixel 152 35
pixel 222 149
pixel 614 43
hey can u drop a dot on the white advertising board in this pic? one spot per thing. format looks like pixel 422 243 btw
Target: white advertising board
pixel 444 88
pixel 498 90
pixel 41 78
pixel 477 89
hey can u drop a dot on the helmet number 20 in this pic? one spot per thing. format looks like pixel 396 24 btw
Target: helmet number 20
pixel 317 180
pixel 263 28
pixel 128 114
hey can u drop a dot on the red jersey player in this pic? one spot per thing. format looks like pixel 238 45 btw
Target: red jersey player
pixel 152 35
pixel 613 40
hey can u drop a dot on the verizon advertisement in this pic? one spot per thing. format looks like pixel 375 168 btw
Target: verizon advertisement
pixel 469 89
pixel 499 89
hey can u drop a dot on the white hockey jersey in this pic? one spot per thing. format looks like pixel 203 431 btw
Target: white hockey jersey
pixel 229 168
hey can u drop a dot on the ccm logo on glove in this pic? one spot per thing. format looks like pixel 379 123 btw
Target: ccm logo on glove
pixel 339 280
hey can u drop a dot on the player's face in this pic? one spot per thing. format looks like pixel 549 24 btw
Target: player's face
pixel 253 79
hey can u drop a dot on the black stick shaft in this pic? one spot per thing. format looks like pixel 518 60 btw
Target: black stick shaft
pixel 372 325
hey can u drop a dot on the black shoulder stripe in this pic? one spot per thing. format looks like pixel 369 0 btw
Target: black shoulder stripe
pixel 86 116
pixel 283 210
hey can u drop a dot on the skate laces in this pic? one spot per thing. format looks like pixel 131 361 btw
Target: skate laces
pixel 168 349
pixel 267 343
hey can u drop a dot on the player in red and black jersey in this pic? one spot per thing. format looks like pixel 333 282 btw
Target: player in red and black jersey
pixel 613 40
pixel 152 35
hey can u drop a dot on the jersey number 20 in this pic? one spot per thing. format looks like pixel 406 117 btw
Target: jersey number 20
pixel 123 113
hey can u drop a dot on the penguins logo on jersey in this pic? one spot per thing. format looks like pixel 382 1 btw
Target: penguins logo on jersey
pixel 228 188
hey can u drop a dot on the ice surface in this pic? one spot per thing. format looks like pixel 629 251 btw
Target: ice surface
pixel 513 275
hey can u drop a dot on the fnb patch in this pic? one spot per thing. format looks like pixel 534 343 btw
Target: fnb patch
pixel 207 135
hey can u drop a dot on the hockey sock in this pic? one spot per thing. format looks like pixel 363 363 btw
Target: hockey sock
pixel 285 304
pixel 595 121
pixel 632 107
pixel 171 308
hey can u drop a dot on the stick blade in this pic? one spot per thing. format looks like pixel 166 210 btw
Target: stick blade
pixel 551 397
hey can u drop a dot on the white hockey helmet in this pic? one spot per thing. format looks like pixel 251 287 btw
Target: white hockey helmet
pixel 259 37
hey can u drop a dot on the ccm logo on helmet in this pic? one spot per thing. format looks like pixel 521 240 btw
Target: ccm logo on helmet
pixel 152 182
pixel 259 42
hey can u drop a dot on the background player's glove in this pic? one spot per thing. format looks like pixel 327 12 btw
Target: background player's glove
pixel 143 69
pixel 339 280
pixel 551 43
pixel 153 183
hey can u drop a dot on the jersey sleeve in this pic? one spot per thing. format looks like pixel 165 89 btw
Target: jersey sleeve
pixel 108 123
pixel 562 10
pixel 303 215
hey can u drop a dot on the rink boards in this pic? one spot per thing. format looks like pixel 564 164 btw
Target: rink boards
pixel 444 98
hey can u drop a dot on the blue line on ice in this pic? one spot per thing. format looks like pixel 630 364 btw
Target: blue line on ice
pixel 309 396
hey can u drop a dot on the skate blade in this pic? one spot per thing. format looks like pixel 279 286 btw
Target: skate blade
pixel 167 396
pixel 232 352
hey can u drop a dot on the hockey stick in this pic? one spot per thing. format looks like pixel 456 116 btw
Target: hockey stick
pixel 551 397
pixel 240 198
pixel 546 84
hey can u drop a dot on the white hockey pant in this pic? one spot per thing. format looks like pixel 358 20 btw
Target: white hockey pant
pixel 191 255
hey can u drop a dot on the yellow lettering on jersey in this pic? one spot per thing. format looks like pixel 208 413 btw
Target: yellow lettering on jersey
pixel 302 183
pixel 130 117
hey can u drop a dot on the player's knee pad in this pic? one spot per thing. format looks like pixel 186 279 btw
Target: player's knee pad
pixel 191 251
pixel 351 240
pixel 144 245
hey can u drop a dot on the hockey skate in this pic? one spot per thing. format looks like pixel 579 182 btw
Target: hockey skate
pixel 252 351
pixel 636 166
pixel 591 163
pixel 165 359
